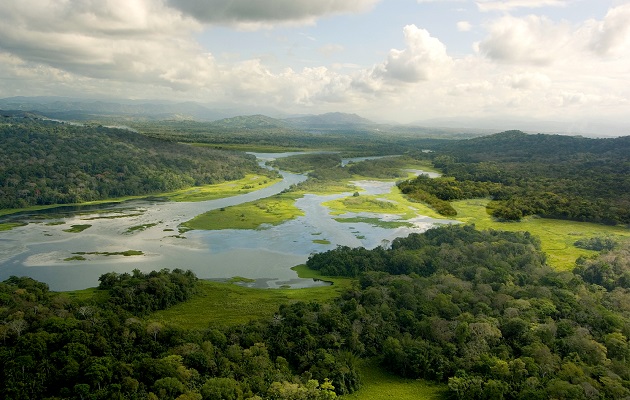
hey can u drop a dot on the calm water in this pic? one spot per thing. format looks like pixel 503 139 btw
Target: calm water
pixel 266 255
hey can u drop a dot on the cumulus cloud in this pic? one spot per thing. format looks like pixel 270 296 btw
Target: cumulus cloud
pixel 532 40
pixel 612 35
pixel 464 26
pixel 136 40
pixel 423 58
pixel 528 81
pixel 262 12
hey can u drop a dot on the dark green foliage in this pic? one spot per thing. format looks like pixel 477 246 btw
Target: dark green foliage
pixel 51 163
pixel 481 311
pixel 548 175
pixel 141 293
pixel 56 347
pixel 477 310
pixel 596 243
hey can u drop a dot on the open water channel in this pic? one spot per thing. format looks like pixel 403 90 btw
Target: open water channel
pixel 41 248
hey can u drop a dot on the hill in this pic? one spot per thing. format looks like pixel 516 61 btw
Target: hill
pixel 46 162
pixel 552 176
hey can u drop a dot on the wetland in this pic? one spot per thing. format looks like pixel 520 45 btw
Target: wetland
pixel 215 237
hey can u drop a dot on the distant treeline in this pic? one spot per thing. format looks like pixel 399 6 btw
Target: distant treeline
pixel 52 163
pixel 476 310
pixel 548 175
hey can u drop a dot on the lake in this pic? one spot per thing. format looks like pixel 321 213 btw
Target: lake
pixel 42 248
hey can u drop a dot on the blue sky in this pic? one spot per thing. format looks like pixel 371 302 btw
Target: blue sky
pixel 395 60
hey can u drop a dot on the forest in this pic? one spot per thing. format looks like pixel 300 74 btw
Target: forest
pixel 552 176
pixel 478 311
pixel 46 162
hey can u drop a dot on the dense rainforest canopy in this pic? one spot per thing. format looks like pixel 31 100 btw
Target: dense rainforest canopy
pixel 477 310
pixel 45 162
pixel 548 175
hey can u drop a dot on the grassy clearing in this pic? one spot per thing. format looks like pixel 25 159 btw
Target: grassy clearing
pixel 557 236
pixel 226 304
pixel 77 228
pixel 248 184
pixel 273 210
pixel 378 384
pixel 374 204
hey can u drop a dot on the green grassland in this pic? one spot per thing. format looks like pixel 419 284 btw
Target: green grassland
pixel 248 184
pixel 556 236
pixel 378 384
pixel 273 210
pixel 227 304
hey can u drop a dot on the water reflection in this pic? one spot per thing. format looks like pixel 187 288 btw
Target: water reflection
pixel 42 248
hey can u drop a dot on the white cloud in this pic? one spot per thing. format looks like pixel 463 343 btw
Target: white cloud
pixel 423 58
pixel 612 35
pixel 464 26
pixel 531 40
pixel 528 81
pixel 507 5
pixel 253 14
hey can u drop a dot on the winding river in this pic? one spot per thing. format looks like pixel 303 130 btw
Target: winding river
pixel 42 248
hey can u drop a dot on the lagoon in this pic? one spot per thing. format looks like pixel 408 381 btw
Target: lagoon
pixel 45 249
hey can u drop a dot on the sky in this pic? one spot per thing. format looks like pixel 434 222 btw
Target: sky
pixel 386 60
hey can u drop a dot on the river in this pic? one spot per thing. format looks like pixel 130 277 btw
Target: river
pixel 41 248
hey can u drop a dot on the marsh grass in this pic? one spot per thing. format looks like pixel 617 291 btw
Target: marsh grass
pixel 375 222
pixel 226 304
pixel 248 184
pixel 557 237
pixel 77 228
pixel 378 384
pixel 140 228
pixel 7 226
pixel 253 215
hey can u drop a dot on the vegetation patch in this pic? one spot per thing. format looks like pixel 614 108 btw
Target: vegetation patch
pixel 75 258
pixel 366 204
pixel 224 305
pixel 126 253
pixel 375 222
pixel 7 226
pixel 113 216
pixel 240 279
pixel 77 228
pixel 378 384
pixel 53 223
pixel 248 184
pixel 557 237
pixel 272 211
pixel 140 228
pixel 321 241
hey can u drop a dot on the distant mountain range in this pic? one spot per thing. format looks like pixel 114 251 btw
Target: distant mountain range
pixel 239 117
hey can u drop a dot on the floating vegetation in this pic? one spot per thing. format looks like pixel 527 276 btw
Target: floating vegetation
pixel 10 225
pixel 376 222
pixel 113 216
pixel 77 228
pixel 75 258
pixel 140 228
pixel 53 223
pixel 79 255
pixel 321 241
pixel 240 279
